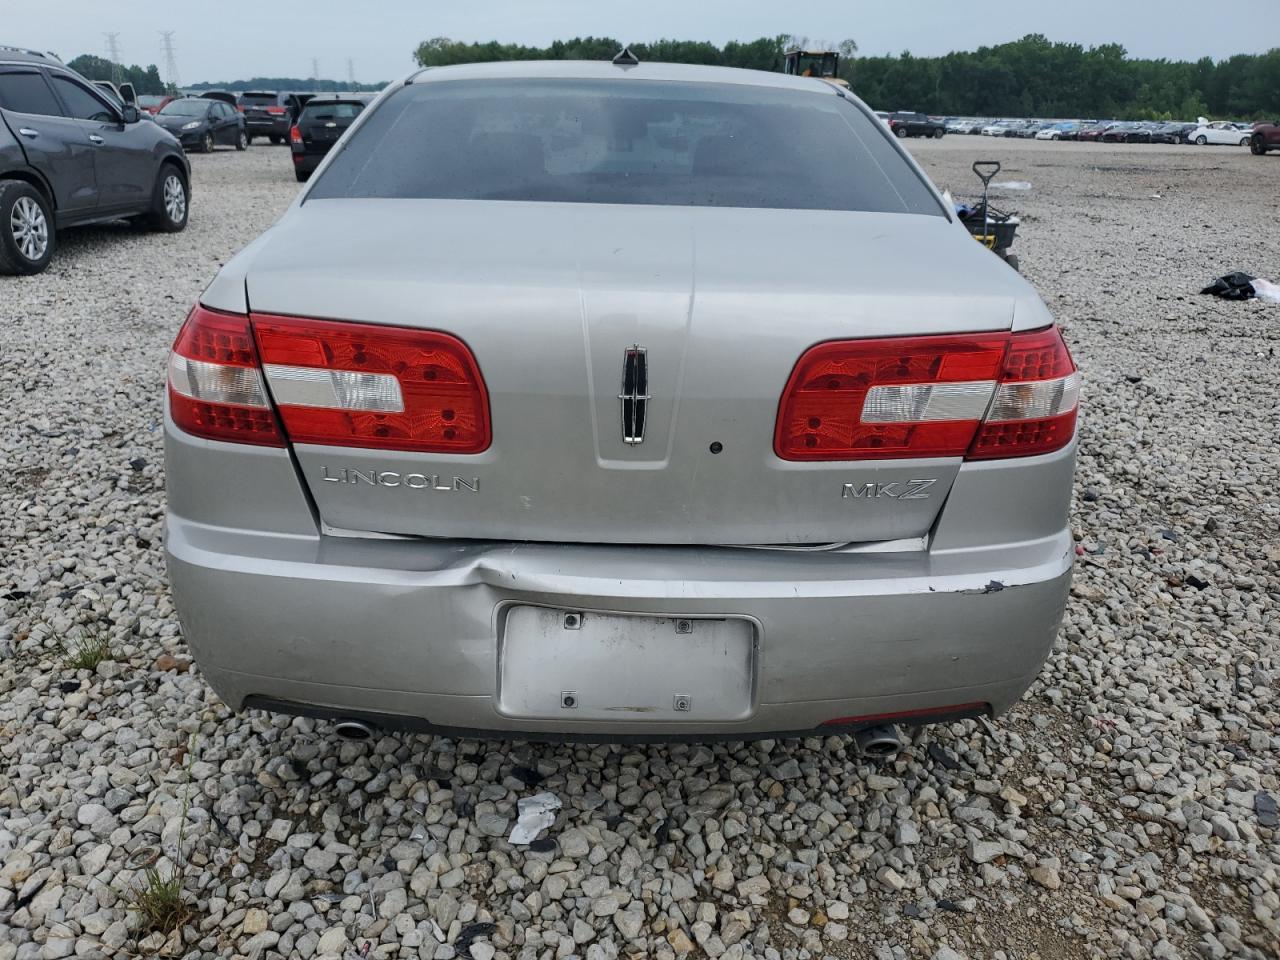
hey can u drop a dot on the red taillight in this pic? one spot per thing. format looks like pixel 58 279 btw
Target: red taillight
pixel 267 380
pixel 215 384
pixel 985 395
pixel 275 111
pixel 364 385
pixel 295 135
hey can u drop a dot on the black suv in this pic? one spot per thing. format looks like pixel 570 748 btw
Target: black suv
pixel 69 156
pixel 324 119
pixel 906 123
pixel 269 114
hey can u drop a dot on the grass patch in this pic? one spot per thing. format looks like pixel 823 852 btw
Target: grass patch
pixel 159 902
pixel 86 651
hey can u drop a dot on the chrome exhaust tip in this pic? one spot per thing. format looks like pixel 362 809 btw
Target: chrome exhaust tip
pixel 349 729
pixel 879 742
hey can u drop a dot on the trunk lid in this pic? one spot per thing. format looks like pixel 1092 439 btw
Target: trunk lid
pixel 551 297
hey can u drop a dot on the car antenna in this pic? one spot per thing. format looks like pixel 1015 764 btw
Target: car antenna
pixel 626 58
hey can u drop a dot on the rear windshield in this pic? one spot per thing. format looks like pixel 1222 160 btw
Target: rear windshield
pixel 626 141
pixel 258 98
pixel 331 111
pixel 184 108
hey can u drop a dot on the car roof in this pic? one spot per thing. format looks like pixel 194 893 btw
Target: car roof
pixel 604 70
pixel 10 54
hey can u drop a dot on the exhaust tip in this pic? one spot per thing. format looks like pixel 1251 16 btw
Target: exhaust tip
pixel 879 742
pixel 349 729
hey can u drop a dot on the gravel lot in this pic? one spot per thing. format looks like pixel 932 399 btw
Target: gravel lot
pixel 1126 808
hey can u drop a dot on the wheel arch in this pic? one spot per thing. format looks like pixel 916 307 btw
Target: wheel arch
pixel 36 179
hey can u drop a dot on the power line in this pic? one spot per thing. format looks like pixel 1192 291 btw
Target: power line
pixel 113 54
pixel 170 61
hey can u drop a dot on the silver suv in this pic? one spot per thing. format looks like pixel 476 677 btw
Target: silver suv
pixel 571 399
pixel 71 155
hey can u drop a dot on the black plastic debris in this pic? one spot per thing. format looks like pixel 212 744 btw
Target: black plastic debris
pixel 543 845
pixel 949 906
pixel 470 933
pixel 527 775
pixel 1264 805
pixel 941 756
pixel 1232 286
pixel 1193 581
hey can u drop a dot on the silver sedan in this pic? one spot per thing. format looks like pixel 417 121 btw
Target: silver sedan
pixel 620 401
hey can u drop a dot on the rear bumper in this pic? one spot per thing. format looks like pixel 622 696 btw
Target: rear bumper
pixel 274 127
pixel 408 632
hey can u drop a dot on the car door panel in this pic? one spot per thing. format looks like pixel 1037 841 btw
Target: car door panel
pixel 125 168
pixel 52 142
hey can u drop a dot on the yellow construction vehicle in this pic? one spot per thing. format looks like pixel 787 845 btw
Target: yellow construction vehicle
pixel 823 64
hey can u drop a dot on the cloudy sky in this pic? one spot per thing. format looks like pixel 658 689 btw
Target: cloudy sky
pixel 232 39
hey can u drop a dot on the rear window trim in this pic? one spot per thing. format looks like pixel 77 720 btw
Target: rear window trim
pixel 850 101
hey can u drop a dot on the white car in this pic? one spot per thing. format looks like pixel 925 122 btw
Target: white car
pixel 996 129
pixel 1054 131
pixel 1221 132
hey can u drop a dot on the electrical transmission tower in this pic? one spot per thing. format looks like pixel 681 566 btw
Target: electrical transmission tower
pixel 315 74
pixel 170 61
pixel 351 74
pixel 113 54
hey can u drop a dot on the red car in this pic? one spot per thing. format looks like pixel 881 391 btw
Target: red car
pixel 152 103
pixel 1094 132
pixel 1266 136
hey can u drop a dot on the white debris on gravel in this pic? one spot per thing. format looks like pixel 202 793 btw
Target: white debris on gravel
pixel 1124 809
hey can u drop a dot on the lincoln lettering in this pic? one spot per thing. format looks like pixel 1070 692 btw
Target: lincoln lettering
pixel 394 478
pixel 894 489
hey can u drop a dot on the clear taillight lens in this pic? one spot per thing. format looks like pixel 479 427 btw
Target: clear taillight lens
pixel 215 384
pixel 981 395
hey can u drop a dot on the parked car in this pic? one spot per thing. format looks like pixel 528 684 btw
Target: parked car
pixel 1058 131
pixel 1265 136
pixel 998 128
pixel 1130 132
pixel 883 116
pixel 71 156
pixel 269 114
pixel 153 103
pixel 202 124
pixel 322 122
pixel 512 485
pixel 226 96
pixel 1094 133
pixel 1220 132
pixel 1174 132
pixel 907 123
pixel 118 95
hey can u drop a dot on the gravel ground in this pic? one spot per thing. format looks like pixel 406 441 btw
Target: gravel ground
pixel 1126 808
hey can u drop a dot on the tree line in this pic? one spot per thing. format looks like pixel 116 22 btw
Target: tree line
pixel 145 80
pixel 1030 77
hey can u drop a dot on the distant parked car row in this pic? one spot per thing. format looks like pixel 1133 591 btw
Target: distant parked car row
pixel 1201 132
